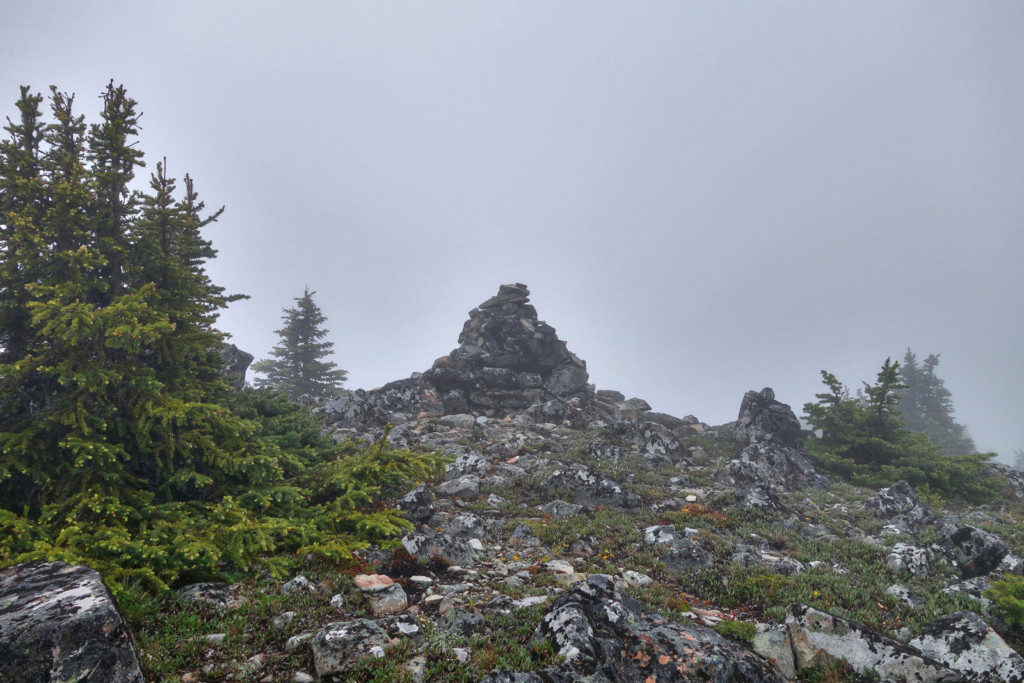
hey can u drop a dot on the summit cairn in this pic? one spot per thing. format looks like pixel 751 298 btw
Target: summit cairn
pixel 508 360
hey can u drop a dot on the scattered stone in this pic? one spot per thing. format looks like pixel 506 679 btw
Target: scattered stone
pixel 416 668
pixel 216 594
pixel 779 468
pixel 417 505
pixel 635 579
pixel 462 622
pixel 466 526
pixel 295 642
pixel 372 583
pixel 427 545
pixel 559 567
pixel 466 487
pixel 302 677
pixel 901 507
pixel 215 638
pixel 588 488
pixel 559 509
pixel 341 644
pixel 282 620
pixel 758 497
pixel 660 534
pixel 391 600
pixel 523 536
pixel 905 595
pixel 58 622
pixel 300 584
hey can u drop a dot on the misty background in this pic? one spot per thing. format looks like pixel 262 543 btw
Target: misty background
pixel 703 199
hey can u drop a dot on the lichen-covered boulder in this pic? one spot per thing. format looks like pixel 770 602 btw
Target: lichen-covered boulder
pixel 820 637
pixel 965 643
pixel 779 468
pixel 976 551
pixel 585 487
pixel 342 644
pixel 909 558
pixel 605 635
pixel 900 505
pixel 58 622
pixel 428 545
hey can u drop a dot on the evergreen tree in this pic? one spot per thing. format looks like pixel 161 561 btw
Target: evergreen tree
pixel 297 368
pixel 22 203
pixel 113 158
pixel 121 445
pixel 927 406
pixel 863 438
pixel 864 428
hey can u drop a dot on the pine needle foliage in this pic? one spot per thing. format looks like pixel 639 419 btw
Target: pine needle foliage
pixel 862 437
pixel 298 366
pixel 927 405
pixel 122 446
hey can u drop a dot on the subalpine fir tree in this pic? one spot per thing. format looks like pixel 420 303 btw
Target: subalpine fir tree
pixel 22 203
pixel 297 367
pixel 863 438
pixel 121 445
pixel 927 406
pixel 862 429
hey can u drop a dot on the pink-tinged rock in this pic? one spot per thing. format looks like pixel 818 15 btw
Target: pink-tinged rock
pixel 372 583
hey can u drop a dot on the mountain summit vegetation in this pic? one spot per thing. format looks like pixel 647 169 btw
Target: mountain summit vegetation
pixel 864 437
pixel 122 446
pixel 568 533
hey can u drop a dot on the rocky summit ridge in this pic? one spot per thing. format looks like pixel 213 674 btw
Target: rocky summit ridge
pixel 618 542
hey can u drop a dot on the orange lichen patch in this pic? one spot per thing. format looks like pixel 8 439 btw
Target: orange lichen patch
pixel 664 659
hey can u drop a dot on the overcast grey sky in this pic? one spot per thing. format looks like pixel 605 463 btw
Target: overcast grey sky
pixel 704 198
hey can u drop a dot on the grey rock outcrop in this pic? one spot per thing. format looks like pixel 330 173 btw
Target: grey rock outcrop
pixel 900 505
pixel 1014 477
pixel 236 363
pixel 58 622
pixel 965 643
pixel 585 487
pixel 508 359
pixel 976 551
pixel 778 468
pixel 396 402
pixel 819 637
pixel 762 419
pixel 429 544
pixel 596 622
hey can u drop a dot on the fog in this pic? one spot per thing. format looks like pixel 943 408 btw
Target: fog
pixel 703 199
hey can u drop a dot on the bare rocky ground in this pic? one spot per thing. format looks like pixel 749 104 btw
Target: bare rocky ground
pixel 578 535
